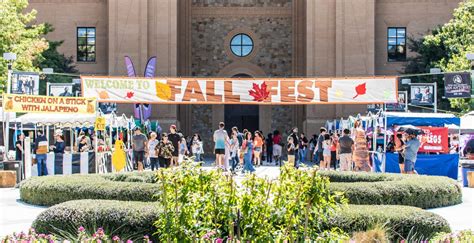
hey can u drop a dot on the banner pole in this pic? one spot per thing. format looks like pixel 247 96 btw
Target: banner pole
pixel 435 97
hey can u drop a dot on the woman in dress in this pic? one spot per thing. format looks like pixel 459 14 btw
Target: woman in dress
pixel 326 165
pixel 361 154
pixel 248 151
pixel 258 144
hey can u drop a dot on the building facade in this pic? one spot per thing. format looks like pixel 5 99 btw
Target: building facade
pixel 243 38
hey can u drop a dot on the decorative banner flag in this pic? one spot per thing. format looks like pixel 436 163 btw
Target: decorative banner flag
pixel 48 104
pixel 241 91
pixel 457 85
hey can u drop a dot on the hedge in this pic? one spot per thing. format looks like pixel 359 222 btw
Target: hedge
pixel 395 189
pixel 359 188
pixel 51 190
pixel 138 217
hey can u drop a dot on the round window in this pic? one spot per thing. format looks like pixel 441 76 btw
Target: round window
pixel 241 45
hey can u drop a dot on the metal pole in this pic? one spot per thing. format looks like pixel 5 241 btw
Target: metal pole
pixel 435 87
pixel 7 130
pixel 385 144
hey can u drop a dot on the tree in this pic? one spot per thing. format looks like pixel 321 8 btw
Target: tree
pixel 19 36
pixel 446 48
pixel 51 58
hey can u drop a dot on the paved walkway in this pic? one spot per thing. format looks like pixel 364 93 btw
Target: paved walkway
pixel 16 216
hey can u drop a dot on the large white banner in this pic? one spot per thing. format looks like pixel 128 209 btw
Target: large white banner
pixel 241 91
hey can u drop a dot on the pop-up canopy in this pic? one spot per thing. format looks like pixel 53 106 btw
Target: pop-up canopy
pixel 56 119
pixel 421 119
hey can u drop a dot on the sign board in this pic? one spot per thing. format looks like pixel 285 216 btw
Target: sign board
pixel 401 105
pixel 48 104
pixel 434 140
pixel 61 89
pixel 100 123
pixel 241 91
pixel 26 83
pixel 422 94
pixel 457 85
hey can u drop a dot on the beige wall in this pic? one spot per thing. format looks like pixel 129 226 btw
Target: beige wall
pixel 417 16
pixel 66 16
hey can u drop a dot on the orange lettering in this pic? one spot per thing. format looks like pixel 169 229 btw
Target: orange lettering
pixel 323 87
pixel 287 91
pixel 305 92
pixel 193 91
pixel 228 96
pixel 175 86
pixel 210 92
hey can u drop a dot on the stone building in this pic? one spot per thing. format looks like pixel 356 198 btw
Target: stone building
pixel 243 38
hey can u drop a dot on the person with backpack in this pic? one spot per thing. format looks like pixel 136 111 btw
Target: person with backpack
pixel 41 146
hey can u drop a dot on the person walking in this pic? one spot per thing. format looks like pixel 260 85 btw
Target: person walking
pixel 296 142
pixel 41 146
pixel 248 152
pixel 291 150
pixel 19 149
pixel 234 152
pixel 345 147
pixel 334 142
pixel 269 148
pixel 258 144
pixel 303 148
pixel 319 146
pixel 152 153
pixel 410 149
pixel 139 146
pixel 399 144
pixel 165 150
pixel 277 147
pixel 197 147
pixel 326 163
pixel 220 138
pixel 313 142
pixel 240 138
pixel 175 139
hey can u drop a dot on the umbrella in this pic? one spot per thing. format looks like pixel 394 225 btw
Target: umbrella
pixel 404 128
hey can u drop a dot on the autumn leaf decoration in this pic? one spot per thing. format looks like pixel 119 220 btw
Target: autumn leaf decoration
pixel 259 94
pixel 129 95
pixel 360 90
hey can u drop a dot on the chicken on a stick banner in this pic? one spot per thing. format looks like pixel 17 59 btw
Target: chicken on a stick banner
pixel 48 104
pixel 241 91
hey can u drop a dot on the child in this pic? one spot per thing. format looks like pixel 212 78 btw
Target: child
pixel 183 150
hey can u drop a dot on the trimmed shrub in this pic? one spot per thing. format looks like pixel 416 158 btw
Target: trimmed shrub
pixel 127 218
pixel 359 188
pixel 51 190
pixel 395 189
pixel 401 221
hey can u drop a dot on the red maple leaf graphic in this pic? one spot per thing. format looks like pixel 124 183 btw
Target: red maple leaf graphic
pixel 360 90
pixel 129 95
pixel 259 93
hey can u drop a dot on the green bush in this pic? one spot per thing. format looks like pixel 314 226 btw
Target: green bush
pixel 127 218
pixel 401 221
pixel 130 220
pixel 395 189
pixel 50 190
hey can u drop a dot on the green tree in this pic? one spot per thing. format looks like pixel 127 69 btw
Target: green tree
pixel 446 48
pixel 20 36
pixel 51 58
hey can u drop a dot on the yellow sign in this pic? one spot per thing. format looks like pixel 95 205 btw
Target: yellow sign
pixel 100 123
pixel 48 104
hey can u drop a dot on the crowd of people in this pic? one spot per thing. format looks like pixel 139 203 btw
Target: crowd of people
pixel 243 151
pixel 237 151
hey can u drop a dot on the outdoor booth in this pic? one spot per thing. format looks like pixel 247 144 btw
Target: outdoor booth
pixel 433 157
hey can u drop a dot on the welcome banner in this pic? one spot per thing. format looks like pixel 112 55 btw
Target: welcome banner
pixel 48 104
pixel 241 91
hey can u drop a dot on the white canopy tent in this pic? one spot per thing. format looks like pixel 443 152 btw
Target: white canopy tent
pixel 56 119
pixel 467 123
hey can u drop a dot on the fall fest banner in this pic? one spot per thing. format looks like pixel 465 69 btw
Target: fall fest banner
pixel 241 91
pixel 48 104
